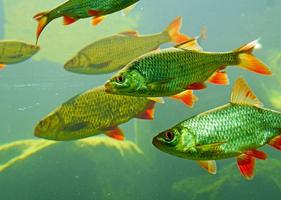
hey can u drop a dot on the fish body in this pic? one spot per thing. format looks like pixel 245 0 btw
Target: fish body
pixel 113 53
pixel 172 71
pixel 12 52
pixel 73 10
pixel 237 129
pixel 92 113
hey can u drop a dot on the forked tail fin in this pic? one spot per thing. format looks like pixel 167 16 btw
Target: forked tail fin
pixel 173 31
pixel 248 61
pixel 43 20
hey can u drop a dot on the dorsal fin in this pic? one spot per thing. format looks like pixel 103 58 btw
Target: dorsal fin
pixel 190 45
pixel 130 33
pixel 242 94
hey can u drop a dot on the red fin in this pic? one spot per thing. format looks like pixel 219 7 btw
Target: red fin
pixel 209 165
pixel 115 133
pixel 2 66
pixel 68 20
pixel 219 78
pixel 148 113
pixel 187 98
pixel 43 20
pixel 276 142
pixel 97 20
pixel 94 13
pixel 257 154
pixel 249 61
pixel 174 31
pixel 246 165
pixel 197 86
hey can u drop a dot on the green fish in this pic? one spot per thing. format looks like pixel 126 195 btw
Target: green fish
pixel 113 53
pixel 237 129
pixel 92 113
pixel 177 71
pixel 12 52
pixel 73 10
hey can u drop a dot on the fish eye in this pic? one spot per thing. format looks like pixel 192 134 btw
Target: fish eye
pixel 169 136
pixel 119 79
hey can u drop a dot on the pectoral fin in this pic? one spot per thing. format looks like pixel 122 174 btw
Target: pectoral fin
pixel 196 86
pixel 158 83
pixel 75 126
pixel 209 165
pixel 115 133
pixel 97 20
pixel 148 113
pixel 68 20
pixel 210 147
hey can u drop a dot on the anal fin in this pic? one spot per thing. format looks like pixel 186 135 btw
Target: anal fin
pixel 187 97
pixel 276 142
pixel 68 20
pixel 209 165
pixel 97 20
pixel 219 78
pixel 246 165
pixel 115 133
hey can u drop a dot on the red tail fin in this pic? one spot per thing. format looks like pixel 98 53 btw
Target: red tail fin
pixel 174 31
pixel 248 61
pixel 43 20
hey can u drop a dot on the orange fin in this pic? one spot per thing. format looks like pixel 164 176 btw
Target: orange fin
pixel 187 97
pixel 148 113
pixel 97 20
pixel 174 31
pixel 2 66
pixel 246 165
pixel 197 86
pixel 209 165
pixel 248 61
pixel 130 33
pixel 43 20
pixel 157 99
pixel 115 133
pixel 276 142
pixel 190 45
pixel 242 94
pixel 257 154
pixel 219 78
pixel 68 20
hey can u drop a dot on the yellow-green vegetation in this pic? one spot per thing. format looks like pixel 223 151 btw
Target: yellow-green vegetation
pixel 200 187
pixel 58 42
pixel 23 149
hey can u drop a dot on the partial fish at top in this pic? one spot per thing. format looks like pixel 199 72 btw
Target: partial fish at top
pixel 113 53
pixel 73 10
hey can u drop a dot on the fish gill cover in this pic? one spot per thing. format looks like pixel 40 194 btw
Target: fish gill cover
pixel 55 44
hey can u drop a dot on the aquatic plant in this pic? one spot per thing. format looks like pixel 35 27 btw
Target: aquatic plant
pixel 28 148
pixel 212 186
pixel 55 40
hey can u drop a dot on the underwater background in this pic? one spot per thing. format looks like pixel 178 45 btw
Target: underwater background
pixel 100 168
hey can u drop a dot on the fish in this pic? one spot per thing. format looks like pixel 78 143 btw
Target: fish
pixel 12 52
pixel 115 52
pixel 92 113
pixel 176 72
pixel 73 10
pixel 235 130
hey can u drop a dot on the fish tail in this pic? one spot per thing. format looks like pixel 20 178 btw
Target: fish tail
pixel 248 61
pixel 173 31
pixel 43 20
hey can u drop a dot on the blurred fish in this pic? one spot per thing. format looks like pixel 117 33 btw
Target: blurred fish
pixel 237 129
pixel 114 52
pixel 73 10
pixel 92 113
pixel 12 52
pixel 176 71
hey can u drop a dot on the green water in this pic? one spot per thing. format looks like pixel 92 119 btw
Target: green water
pixel 30 90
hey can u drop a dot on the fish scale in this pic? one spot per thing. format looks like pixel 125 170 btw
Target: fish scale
pixel 89 114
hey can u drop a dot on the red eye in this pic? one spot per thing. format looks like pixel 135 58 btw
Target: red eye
pixel 169 135
pixel 120 79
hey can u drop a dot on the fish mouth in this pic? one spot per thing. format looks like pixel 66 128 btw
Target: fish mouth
pixel 109 88
pixel 155 142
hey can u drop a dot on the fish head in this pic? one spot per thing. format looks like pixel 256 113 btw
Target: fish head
pixel 177 141
pixel 74 64
pixel 49 127
pixel 130 83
